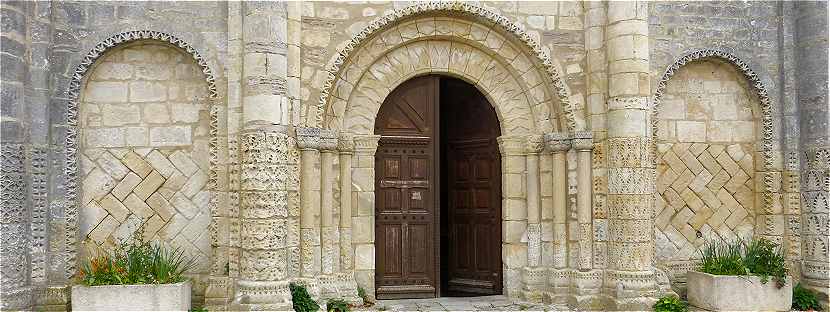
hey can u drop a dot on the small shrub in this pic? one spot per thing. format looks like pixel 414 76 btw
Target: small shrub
pixel 805 299
pixel 134 263
pixel 338 305
pixel 670 304
pixel 302 300
pixel 761 257
pixel 198 309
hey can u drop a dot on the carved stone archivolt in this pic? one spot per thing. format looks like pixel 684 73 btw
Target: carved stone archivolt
pixel 342 78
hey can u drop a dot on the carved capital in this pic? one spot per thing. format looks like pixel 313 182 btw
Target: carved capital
pixel 511 145
pixel 535 143
pixel 366 143
pixel 329 140
pixel 308 138
pixel 345 142
pixel 557 142
pixel 583 140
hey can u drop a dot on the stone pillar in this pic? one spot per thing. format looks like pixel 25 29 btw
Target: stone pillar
pixel 363 222
pixel 514 208
pixel 345 145
pixel 329 232
pixel 583 144
pixel 533 274
pixel 558 143
pixel 268 163
pixel 811 46
pixel 631 171
pixel 308 142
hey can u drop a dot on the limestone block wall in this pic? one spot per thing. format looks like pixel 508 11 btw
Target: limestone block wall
pixel 144 151
pixel 706 142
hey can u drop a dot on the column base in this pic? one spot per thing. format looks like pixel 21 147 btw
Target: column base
pixel 339 286
pixel 53 298
pixel 261 295
pixel 533 279
pixel 559 286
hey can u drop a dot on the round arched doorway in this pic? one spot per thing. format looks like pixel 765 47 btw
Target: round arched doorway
pixel 438 188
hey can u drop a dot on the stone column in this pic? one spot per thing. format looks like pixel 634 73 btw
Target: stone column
pixel 811 65
pixel 533 274
pixel 558 143
pixel 363 222
pixel 630 170
pixel 268 162
pixel 329 232
pixel 345 145
pixel 308 141
pixel 583 144
pixel 514 207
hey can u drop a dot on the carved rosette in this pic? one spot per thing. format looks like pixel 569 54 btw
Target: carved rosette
pixel 557 142
pixel 583 141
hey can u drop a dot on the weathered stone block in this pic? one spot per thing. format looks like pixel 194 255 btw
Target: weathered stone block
pixel 106 92
pixel 170 136
pixel 737 293
pixel 159 297
pixel 144 91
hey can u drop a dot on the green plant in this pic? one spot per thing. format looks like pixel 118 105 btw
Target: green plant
pixel 805 299
pixel 722 258
pixel 761 257
pixel 198 309
pixel 136 262
pixel 302 300
pixel 670 304
pixel 338 305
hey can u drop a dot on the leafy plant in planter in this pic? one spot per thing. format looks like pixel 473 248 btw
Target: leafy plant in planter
pixel 759 257
pixel 670 304
pixel 805 299
pixel 301 299
pixel 136 263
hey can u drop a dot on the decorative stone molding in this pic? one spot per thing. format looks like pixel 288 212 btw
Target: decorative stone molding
pixel 583 140
pixel 345 143
pixel 316 138
pixel 557 142
pixel 767 125
pixel 392 18
pixel 71 141
pixel 366 143
pixel 535 143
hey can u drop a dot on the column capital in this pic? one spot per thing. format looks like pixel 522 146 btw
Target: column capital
pixel 366 143
pixel 557 142
pixel 583 140
pixel 512 144
pixel 316 138
pixel 345 142
pixel 535 143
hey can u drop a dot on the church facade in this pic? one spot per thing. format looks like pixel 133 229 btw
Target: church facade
pixel 575 152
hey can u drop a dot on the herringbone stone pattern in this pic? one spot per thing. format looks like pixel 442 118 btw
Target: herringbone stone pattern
pixel 706 193
pixel 159 191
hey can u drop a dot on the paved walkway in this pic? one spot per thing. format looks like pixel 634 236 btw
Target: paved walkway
pixel 485 303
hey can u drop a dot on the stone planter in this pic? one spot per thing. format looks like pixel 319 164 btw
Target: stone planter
pixel 153 297
pixel 737 293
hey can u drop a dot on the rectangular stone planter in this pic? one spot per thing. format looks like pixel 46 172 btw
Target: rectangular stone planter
pixel 737 293
pixel 152 297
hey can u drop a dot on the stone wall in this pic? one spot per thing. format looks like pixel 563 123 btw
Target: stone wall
pixel 706 162
pixel 91 174
pixel 144 151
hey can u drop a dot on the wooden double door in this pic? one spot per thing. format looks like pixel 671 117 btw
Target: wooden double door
pixel 438 192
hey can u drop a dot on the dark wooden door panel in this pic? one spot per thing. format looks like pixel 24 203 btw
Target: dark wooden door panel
pixel 405 189
pixel 473 187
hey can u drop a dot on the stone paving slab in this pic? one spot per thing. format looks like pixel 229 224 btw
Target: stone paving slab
pixel 483 303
